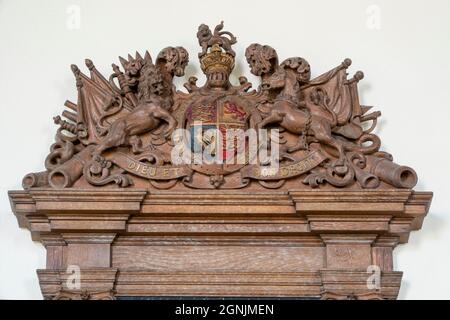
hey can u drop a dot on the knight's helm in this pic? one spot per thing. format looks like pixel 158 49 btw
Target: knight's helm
pixel 217 57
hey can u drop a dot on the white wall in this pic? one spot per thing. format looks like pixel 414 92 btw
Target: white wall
pixel 405 60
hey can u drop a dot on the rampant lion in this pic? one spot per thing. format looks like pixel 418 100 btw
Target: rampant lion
pixel 155 98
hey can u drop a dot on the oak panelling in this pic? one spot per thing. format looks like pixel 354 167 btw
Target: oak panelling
pixel 218 258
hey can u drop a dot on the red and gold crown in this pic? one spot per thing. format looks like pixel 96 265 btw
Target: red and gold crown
pixel 217 61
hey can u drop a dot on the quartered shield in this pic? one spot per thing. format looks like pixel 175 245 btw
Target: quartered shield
pixel 217 135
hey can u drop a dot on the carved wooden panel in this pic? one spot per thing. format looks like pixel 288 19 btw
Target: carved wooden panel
pixel 221 190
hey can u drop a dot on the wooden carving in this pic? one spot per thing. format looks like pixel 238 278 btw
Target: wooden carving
pixel 223 190
pixel 124 130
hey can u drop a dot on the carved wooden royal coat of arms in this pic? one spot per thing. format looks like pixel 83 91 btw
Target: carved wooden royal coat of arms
pixel 135 128
pixel 223 190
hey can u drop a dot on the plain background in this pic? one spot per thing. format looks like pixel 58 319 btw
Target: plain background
pixel 403 47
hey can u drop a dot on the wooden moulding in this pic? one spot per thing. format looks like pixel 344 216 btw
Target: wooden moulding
pixel 314 243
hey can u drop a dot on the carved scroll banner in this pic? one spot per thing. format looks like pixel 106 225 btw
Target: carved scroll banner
pixel 297 168
pixel 148 171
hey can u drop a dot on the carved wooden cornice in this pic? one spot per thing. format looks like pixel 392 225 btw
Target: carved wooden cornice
pixel 309 206
pixel 289 223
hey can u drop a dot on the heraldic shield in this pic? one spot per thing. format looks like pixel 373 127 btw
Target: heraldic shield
pixel 217 140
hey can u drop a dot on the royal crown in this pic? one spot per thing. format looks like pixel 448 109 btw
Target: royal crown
pixel 217 61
